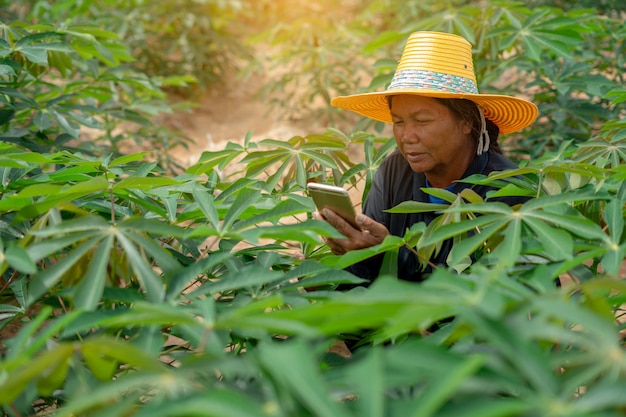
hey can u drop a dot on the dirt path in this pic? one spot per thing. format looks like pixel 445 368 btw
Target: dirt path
pixel 227 114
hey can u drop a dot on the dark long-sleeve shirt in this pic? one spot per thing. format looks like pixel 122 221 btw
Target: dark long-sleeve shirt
pixel 394 183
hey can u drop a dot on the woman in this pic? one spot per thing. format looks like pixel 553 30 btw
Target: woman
pixel 445 131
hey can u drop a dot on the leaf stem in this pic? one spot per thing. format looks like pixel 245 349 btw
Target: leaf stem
pixel 111 197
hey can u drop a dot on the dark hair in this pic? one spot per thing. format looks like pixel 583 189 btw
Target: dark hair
pixel 467 110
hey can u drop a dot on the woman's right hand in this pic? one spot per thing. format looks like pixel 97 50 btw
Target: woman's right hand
pixel 370 233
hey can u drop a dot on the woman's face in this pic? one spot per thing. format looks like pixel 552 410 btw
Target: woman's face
pixel 431 139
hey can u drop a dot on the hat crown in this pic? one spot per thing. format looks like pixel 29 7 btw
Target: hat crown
pixel 436 61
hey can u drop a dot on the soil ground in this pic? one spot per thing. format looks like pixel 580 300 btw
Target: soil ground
pixel 227 114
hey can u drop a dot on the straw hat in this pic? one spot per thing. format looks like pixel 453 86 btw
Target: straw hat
pixel 440 65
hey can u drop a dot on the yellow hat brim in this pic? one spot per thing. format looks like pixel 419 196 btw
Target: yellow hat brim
pixel 510 114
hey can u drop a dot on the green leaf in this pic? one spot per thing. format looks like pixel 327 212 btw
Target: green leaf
pixel 389 265
pixel 111 393
pixel 245 199
pixel 209 160
pixel 14 385
pixel 144 183
pixel 398 306
pixel 257 162
pixel 213 403
pixel 613 259
pixel 145 313
pixel 89 291
pixel 6 115
pixel 368 377
pixel 382 40
pixel 150 339
pixel 37 190
pixel 23 339
pixel 559 199
pixel 92 30
pixel 53 46
pixel 68 126
pixel 37 37
pixel 350 258
pixel 557 243
pixel 151 283
pixel 251 276
pixel 289 207
pixel 529 361
pixel 18 258
pixel 207 205
pixel 471 196
pixel 301 176
pixel 125 159
pixel 12 92
pixel 311 274
pixel 9 310
pixel 52 378
pixel 559 48
pixel 45 280
pixel 42 120
pixel 614 217
pixel 20 291
pixel 466 247
pixel 103 368
pixel 306 232
pixel 450 230
pixel 491 407
pixel 509 249
pixel 533 50
pixel 79 224
pixel 606 395
pixel 442 389
pixel 87 187
pixel 35 55
pixel 441 193
pixel 579 226
pixel 5 48
pixel 189 274
pixel 416 207
pixel 299 376
pixel 159 255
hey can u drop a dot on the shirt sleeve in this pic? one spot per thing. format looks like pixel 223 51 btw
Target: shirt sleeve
pixel 384 189
pixel 377 200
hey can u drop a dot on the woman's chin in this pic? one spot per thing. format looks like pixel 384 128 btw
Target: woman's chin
pixel 419 166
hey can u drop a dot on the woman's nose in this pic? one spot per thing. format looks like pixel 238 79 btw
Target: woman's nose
pixel 408 134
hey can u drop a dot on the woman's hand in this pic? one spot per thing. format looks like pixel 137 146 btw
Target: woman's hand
pixel 371 233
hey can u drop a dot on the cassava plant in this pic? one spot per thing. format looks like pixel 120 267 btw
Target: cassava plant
pixel 66 86
pixel 565 59
pixel 130 290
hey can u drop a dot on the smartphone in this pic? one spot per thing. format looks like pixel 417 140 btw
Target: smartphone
pixel 335 198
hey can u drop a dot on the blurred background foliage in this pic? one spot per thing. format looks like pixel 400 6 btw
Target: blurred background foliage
pixel 130 285
pixel 564 56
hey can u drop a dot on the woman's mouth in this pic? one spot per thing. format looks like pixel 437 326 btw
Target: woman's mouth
pixel 414 156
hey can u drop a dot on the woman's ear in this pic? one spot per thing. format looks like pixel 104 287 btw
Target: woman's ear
pixel 466 127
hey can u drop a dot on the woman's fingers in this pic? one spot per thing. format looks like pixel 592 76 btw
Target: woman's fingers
pixel 370 234
pixel 377 230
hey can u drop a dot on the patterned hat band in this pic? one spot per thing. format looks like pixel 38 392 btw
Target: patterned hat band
pixel 432 81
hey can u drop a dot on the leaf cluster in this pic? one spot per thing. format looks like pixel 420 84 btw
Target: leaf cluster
pixel 139 292
pixel 567 60
pixel 67 86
